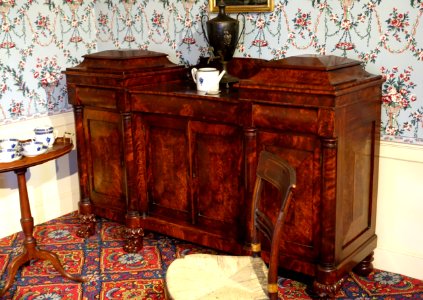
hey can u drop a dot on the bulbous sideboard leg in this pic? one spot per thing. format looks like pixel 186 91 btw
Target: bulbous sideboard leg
pixel 365 267
pixel 329 291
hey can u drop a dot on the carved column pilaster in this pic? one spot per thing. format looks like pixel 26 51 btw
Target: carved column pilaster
pixel 133 233
pixel 326 283
pixel 87 219
pixel 250 164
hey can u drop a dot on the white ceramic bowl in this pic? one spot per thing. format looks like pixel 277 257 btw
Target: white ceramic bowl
pixel 9 143
pixel 9 155
pixel 33 148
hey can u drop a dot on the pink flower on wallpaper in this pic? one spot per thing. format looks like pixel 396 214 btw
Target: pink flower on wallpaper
pixel 346 24
pixel 397 22
pixel 396 91
pixel 188 23
pixel 47 71
pixel 371 5
pixel 42 22
pixel 260 23
pixel 5 27
pixel 302 20
pixel 334 17
pixel 157 20
pixel 361 18
pixel 103 20
pixel 16 109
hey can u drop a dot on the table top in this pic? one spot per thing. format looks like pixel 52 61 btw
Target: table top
pixel 60 147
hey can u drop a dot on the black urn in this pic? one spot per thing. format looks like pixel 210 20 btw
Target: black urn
pixel 223 36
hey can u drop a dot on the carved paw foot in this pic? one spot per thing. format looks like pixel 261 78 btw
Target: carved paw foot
pixel 326 291
pixel 87 225
pixel 133 239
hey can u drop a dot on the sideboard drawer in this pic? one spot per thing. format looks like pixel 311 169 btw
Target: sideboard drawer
pixel 98 97
pixel 286 118
pixel 199 108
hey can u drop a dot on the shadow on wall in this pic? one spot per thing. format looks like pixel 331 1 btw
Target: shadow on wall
pixel 65 166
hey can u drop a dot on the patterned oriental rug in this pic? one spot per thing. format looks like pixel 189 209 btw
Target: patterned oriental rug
pixel 114 274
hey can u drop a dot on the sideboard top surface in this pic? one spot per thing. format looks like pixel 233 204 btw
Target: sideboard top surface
pixel 122 62
pixel 324 78
pixel 123 54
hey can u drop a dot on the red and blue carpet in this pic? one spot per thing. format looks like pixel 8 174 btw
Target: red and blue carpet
pixel 114 274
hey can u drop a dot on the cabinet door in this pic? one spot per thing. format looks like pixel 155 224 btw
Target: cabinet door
pixel 292 133
pixel 102 133
pixel 300 233
pixel 164 181
pixel 218 195
pixel 192 179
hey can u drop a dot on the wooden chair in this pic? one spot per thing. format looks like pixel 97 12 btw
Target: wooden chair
pixel 206 276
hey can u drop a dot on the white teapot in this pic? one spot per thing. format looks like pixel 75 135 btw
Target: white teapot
pixel 45 134
pixel 207 79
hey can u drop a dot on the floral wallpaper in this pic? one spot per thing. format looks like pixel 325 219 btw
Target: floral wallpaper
pixel 40 38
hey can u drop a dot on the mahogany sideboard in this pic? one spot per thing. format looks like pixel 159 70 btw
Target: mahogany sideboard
pixel 155 154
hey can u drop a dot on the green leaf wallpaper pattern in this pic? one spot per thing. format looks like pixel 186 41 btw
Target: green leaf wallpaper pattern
pixel 40 38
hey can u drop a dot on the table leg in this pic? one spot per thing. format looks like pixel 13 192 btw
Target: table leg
pixel 30 250
pixel 13 269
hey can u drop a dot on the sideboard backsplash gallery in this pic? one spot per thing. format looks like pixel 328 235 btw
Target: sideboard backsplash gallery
pixel 41 38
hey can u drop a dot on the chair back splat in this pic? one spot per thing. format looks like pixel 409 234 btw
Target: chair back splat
pixel 281 175
pixel 206 276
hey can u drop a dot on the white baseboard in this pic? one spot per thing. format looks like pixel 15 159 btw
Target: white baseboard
pixel 398 151
pixel 395 262
pixel 399 210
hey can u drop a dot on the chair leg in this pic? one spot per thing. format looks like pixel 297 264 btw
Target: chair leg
pixel 166 292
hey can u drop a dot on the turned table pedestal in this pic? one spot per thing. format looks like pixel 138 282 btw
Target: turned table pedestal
pixel 30 249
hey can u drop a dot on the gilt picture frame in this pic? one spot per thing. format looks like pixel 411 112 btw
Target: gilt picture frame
pixel 241 6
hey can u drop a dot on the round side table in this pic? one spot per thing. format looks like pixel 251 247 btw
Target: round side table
pixel 61 147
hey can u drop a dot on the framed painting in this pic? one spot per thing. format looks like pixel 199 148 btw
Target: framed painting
pixel 237 6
